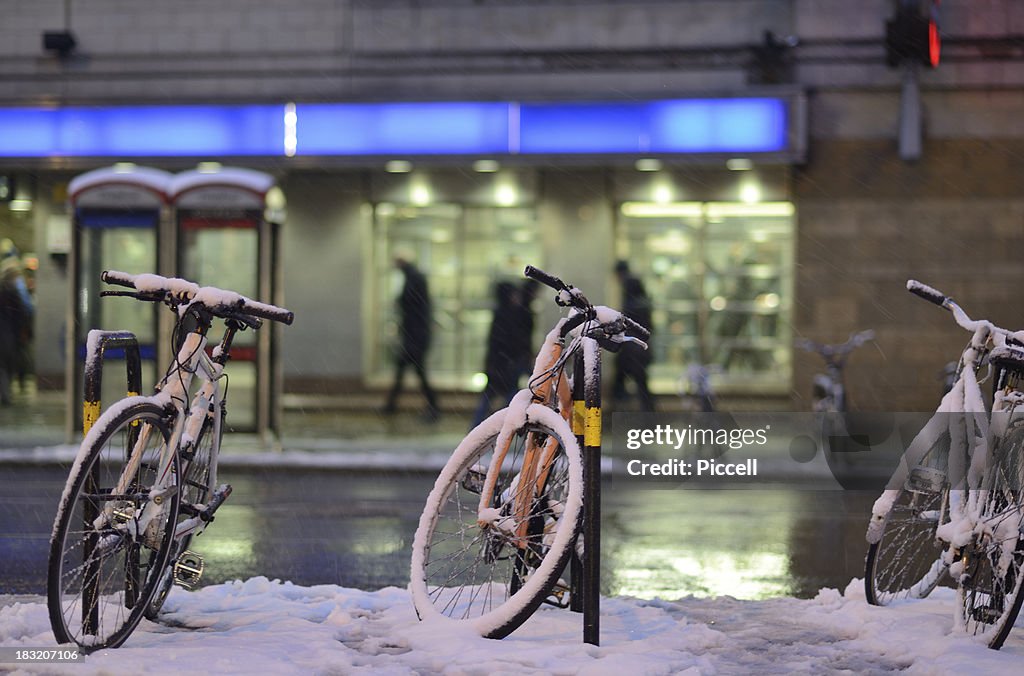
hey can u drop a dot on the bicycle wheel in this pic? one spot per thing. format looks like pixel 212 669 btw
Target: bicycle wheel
pixel 113 531
pixel 905 560
pixel 494 568
pixel 195 489
pixel 989 591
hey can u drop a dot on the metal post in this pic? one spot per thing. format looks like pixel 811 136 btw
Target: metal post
pixel 92 386
pixel 578 417
pixel 592 493
pixel 93 374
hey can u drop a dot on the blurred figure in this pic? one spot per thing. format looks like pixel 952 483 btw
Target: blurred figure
pixel 632 360
pixel 10 255
pixel 525 353
pixel 15 320
pixel 504 359
pixel 413 306
pixel 738 325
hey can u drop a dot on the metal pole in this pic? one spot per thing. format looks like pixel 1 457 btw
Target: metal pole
pixel 578 418
pixel 592 493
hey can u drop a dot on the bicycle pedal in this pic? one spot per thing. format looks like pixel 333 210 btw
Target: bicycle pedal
pixel 559 595
pixel 122 515
pixel 221 494
pixel 925 480
pixel 474 480
pixel 188 569
pixel 986 614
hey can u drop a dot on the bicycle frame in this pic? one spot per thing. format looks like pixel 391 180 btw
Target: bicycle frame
pixel 191 360
pixel 971 444
pixel 553 393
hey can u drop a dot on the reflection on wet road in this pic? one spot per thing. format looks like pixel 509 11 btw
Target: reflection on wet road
pixel 355 529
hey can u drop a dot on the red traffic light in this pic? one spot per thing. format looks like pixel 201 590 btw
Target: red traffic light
pixel 913 36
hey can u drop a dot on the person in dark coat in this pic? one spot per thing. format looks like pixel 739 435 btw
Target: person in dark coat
pixel 503 360
pixel 525 351
pixel 414 324
pixel 632 360
pixel 14 318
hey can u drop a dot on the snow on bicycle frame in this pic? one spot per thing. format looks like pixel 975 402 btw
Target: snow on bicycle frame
pixel 521 472
pixel 204 303
pixel 602 324
pixel 963 404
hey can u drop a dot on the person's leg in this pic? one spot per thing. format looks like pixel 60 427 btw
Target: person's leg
pixel 396 387
pixel 483 409
pixel 5 381
pixel 619 381
pixel 646 400
pixel 432 409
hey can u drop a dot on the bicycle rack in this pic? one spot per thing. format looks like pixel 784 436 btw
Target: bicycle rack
pixel 96 346
pixel 585 593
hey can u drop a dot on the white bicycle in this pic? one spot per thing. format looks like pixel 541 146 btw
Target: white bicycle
pixel 144 482
pixel 955 504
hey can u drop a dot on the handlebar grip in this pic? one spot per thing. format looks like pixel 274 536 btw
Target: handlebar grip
pixel 264 311
pixel 119 278
pixel 637 328
pixel 928 293
pixel 544 278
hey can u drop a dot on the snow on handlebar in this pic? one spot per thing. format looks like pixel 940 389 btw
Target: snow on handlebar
pixel 190 292
pixel 962 318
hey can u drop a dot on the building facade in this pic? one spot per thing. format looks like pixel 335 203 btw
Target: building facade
pixel 741 254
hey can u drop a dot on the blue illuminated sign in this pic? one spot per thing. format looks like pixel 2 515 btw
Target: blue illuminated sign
pixel 142 131
pixel 677 126
pixel 740 125
pixel 402 128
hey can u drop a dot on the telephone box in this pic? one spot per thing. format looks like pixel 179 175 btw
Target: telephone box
pixel 227 222
pixel 117 215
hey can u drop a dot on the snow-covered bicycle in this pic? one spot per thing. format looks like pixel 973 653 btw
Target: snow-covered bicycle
pixel 144 482
pixel 829 391
pixel 955 503
pixel 504 516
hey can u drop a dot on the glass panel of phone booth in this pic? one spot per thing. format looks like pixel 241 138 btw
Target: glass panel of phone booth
pixel 228 258
pixel 132 250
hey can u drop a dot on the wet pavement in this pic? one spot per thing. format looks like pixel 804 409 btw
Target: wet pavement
pixel 355 528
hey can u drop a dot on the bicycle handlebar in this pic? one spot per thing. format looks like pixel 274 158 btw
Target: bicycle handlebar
pixel 545 279
pixel 928 293
pixel 854 341
pixel 218 301
pixel 643 331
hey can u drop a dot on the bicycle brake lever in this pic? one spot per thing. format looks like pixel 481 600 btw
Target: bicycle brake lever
pixel 632 339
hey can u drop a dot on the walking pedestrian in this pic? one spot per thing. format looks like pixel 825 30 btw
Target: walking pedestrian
pixel 632 360
pixel 414 328
pixel 14 318
pixel 502 363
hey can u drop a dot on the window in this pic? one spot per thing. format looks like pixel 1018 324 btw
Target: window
pixel 720 277
pixel 463 251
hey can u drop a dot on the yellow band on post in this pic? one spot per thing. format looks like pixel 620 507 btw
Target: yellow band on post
pixel 90 411
pixel 578 417
pixel 592 429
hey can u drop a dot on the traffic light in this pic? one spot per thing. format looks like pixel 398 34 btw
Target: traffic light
pixel 913 34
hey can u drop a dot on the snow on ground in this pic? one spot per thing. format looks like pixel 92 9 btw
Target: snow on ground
pixel 269 627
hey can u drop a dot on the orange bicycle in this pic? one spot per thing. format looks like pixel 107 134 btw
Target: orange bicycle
pixel 504 516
